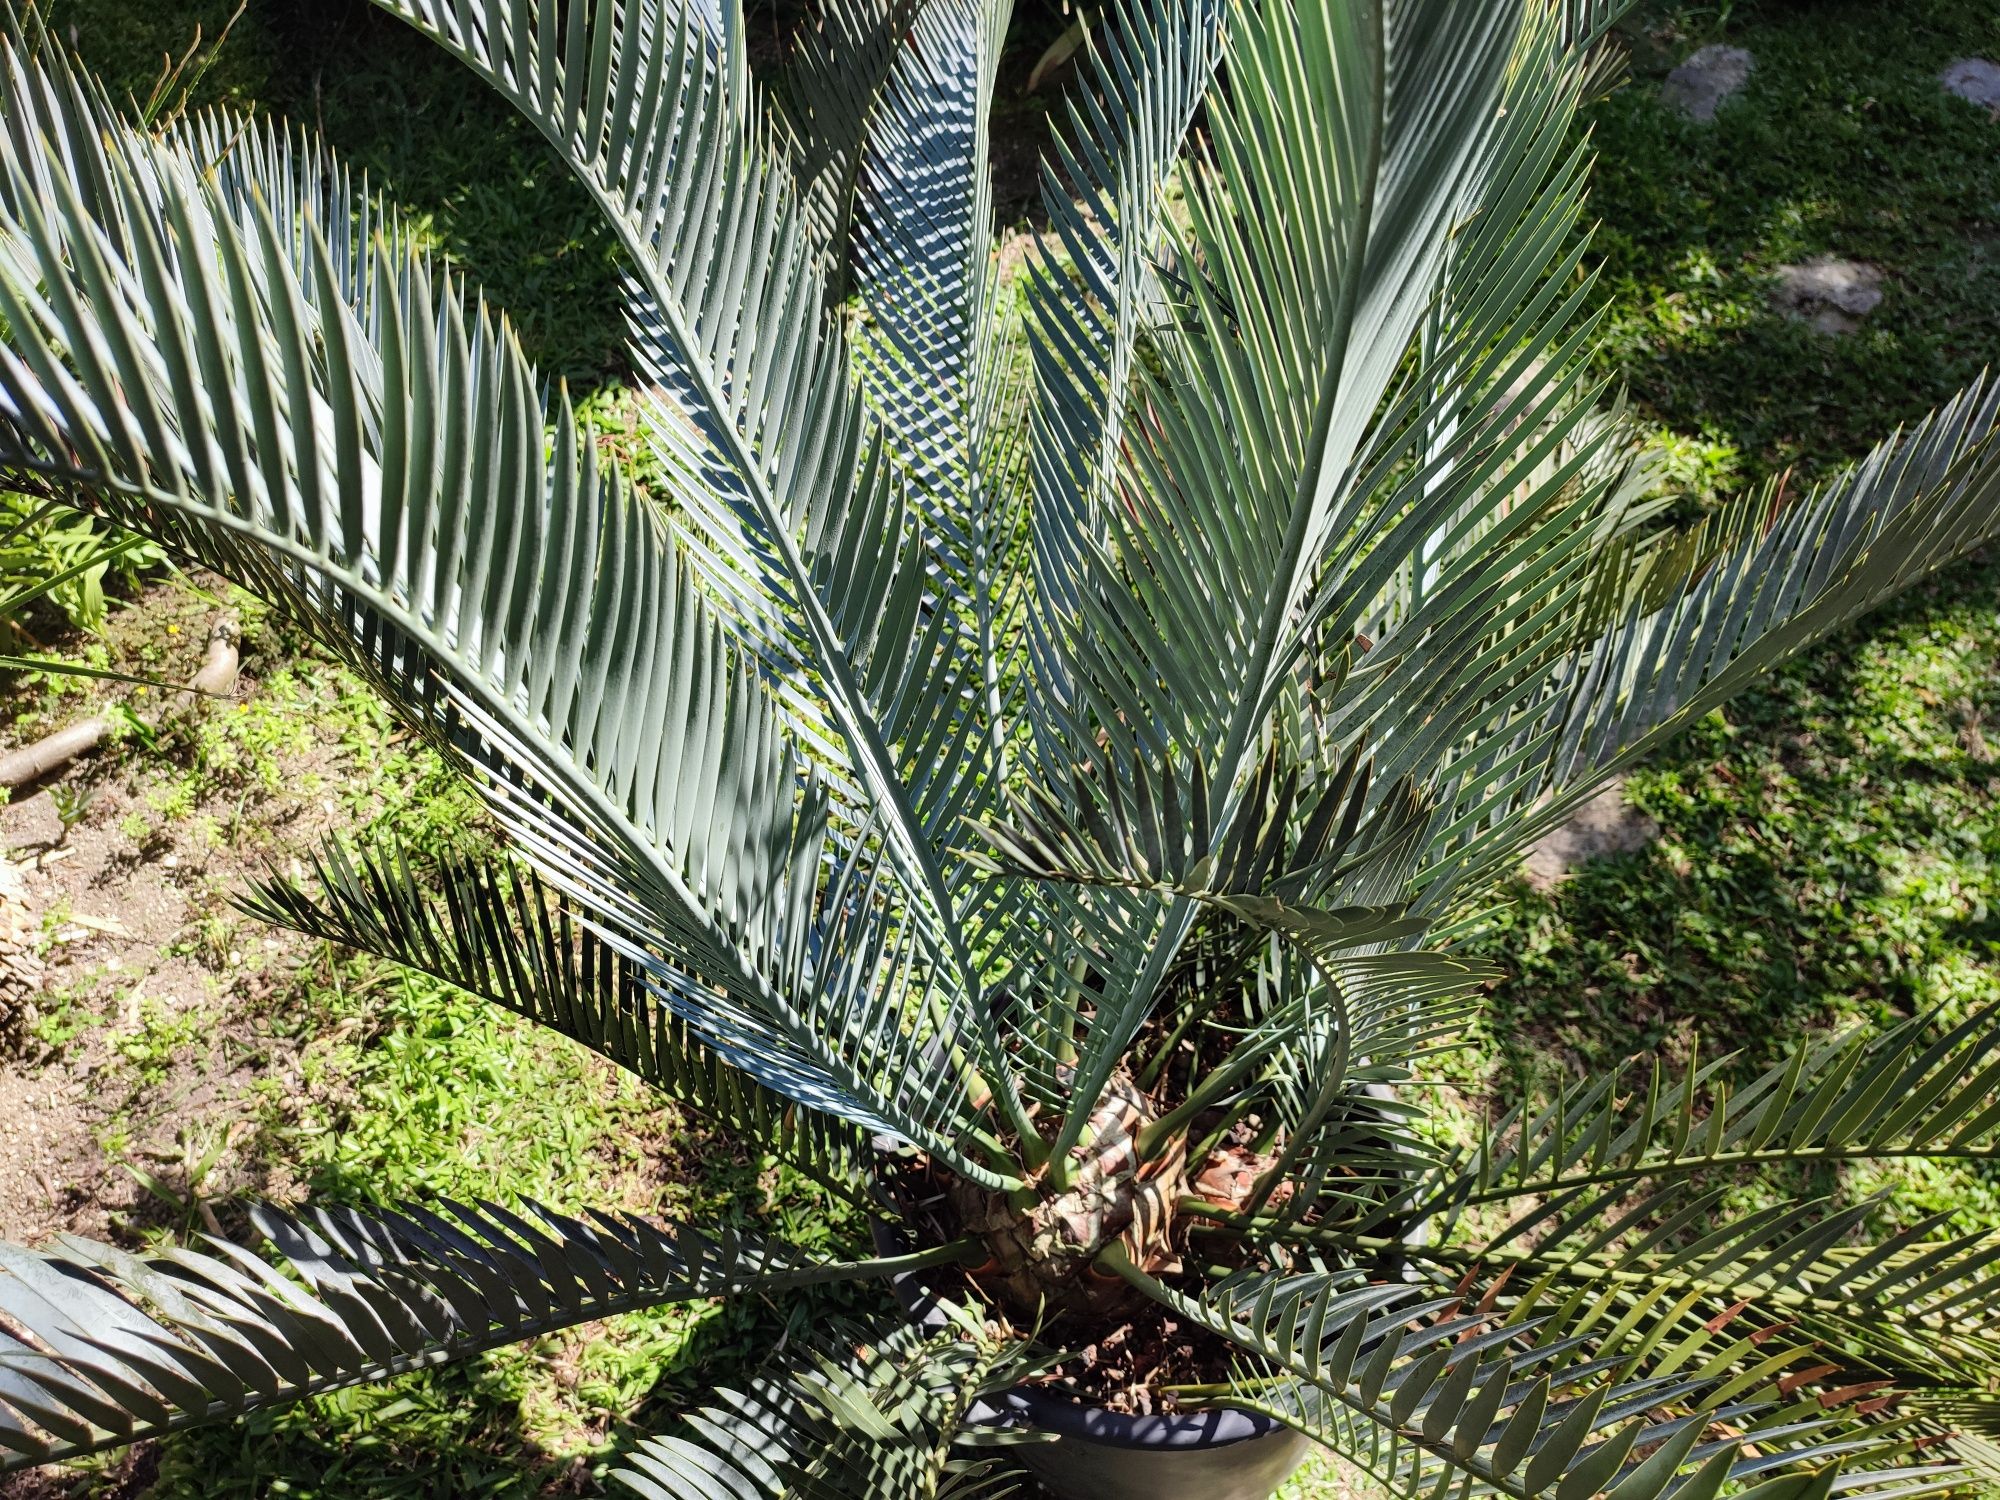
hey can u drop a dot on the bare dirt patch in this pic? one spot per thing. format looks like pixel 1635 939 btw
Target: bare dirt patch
pixel 1604 825
pixel 146 1043
pixel 177 1043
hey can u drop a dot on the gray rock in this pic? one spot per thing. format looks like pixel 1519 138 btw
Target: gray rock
pixel 1606 824
pixel 1698 87
pixel 1975 80
pixel 1832 294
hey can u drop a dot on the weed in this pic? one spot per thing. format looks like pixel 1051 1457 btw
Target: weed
pixel 187 1167
pixel 64 1014
pixel 72 805
pixel 39 544
pixel 157 1035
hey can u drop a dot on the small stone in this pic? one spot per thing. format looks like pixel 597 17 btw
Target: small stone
pixel 1976 80
pixel 1699 86
pixel 1606 824
pixel 1832 294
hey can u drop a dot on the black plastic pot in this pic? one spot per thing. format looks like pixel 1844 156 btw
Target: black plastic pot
pixel 1105 1455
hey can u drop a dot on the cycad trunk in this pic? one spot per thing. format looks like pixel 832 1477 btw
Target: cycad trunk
pixel 1043 1254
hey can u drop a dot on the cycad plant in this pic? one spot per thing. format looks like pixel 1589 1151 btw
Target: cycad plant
pixel 1022 756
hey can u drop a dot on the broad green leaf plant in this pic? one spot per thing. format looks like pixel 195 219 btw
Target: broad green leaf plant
pixel 1025 760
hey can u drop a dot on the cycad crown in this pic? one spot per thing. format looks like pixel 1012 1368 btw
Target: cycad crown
pixel 1052 738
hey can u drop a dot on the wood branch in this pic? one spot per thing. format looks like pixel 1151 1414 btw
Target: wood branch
pixel 50 753
pixel 215 677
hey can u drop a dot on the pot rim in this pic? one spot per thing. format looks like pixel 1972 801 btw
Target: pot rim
pixel 1024 1406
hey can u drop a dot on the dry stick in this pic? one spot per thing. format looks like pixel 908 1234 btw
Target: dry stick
pixel 46 756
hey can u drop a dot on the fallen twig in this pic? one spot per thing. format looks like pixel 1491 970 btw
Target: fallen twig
pixel 50 753
pixel 215 677
pixel 217 674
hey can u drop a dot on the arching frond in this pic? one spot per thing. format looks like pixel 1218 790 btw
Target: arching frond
pixel 1320 227
pixel 371 453
pixel 1920 501
pixel 924 257
pixel 873 1417
pixel 1398 1468
pixel 485 927
pixel 1095 299
pixel 1913 1305
pixel 1541 1394
pixel 832 86
pixel 1916 1089
pixel 783 500
pixel 101 1347
pixel 1601 1187
pixel 933 364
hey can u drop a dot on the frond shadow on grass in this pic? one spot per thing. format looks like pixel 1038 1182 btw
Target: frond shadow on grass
pixel 1829 856
pixel 1843 143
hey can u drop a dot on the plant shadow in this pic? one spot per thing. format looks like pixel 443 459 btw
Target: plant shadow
pixel 1829 853
pixel 1842 143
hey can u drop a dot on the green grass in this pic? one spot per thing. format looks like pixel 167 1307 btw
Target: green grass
pixel 1830 845
pixel 1842 143
pixel 386 1085
pixel 1830 849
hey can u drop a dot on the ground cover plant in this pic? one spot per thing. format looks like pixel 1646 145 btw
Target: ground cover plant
pixel 186 1058
pixel 1049 849
pixel 1825 841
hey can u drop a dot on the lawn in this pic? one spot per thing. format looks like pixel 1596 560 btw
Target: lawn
pixel 1829 847
pixel 1828 843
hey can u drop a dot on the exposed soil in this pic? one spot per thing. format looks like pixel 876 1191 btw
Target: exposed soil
pixel 169 1036
pixel 1604 825
pixel 128 931
pixel 127 1479
pixel 124 953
